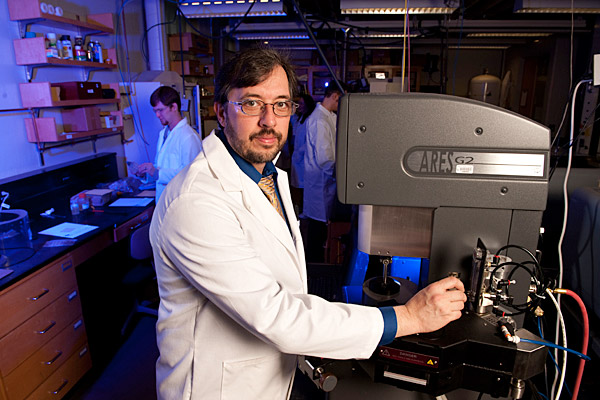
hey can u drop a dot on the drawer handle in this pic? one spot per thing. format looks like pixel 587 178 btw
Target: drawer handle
pixel 65 266
pixel 39 296
pixel 54 359
pixel 72 295
pixel 61 387
pixel 77 324
pixel 47 328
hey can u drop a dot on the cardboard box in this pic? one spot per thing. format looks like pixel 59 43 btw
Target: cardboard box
pixel 189 41
pixel 79 90
pixel 81 119
pixel 193 67
pixel 99 197
pixel 55 93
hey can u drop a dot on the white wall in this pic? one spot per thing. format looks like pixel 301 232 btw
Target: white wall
pixel 17 155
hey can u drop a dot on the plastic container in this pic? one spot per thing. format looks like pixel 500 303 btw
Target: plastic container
pixel 98 52
pixel 90 51
pixel 74 204
pixel 51 49
pixel 83 202
pixel 78 50
pixel 67 48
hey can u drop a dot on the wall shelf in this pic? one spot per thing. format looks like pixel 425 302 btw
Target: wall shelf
pixel 39 95
pixel 32 52
pixel 47 132
pixel 30 12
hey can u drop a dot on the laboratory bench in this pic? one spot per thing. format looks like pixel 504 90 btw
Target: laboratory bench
pixel 62 306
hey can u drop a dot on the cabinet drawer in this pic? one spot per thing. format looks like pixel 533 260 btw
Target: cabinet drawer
pixel 61 381
pixel 23 341
pixel 122 231
pixel 22 300
pixel 31 373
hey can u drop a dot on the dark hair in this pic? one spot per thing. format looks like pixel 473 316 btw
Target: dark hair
pixel 250 68
pixel 333 88
pixel 166 95
pixel 310 106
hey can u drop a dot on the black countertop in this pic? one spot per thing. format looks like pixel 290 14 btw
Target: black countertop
pixel 26 257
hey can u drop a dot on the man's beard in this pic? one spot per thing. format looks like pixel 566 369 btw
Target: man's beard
pixel 243 149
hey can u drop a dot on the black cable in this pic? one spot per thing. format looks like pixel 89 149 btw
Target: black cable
pixel 319 50
pixel 145 35
pixel 228 34
pixel 181 53
pixel 509 246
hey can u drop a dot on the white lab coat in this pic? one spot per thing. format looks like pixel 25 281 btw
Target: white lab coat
pixel 232 280
pixel 297 171
pixel 181 147
pixel 319 164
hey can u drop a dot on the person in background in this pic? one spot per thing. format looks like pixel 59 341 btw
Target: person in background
pixel 178 143
pixel 319 172
pixel 234 309
pixel 306 105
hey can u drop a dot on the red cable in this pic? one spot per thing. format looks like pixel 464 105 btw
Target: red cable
pixel 584 345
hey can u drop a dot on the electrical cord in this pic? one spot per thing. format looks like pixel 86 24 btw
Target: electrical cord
pixel 566 201
pixel 556 366
pixel 536 274
pixel 460 34
pixel 228 34
pixel 564 334
pixel 553 345
pixel 585 339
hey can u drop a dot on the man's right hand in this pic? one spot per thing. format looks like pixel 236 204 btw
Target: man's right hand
pixel 431 308
pixel 146 168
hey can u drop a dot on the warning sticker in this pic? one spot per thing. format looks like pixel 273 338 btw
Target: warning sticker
pixel 409 357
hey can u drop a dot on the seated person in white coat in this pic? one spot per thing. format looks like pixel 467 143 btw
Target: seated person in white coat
pixel 234 309
pixel 178 143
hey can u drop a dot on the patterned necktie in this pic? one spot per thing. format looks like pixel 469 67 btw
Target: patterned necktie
pixel 267 185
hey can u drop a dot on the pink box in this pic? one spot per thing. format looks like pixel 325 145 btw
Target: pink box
pixel 81 119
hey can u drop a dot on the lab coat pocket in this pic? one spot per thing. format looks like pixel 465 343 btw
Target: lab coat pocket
pixel 259 378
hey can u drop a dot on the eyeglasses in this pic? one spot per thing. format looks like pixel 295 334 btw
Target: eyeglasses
pixel 283 108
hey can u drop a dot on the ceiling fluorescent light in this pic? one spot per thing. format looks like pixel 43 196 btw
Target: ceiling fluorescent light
pixel 233 8
pixel 479 47
pixel 557 6
pixel 391 7
pixel 385 35
pixel 274 36
pixel 509 34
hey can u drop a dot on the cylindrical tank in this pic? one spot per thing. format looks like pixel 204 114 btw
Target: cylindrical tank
pixel 485 88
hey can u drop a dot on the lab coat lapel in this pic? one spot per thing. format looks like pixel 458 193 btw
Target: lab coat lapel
pixel 288 206
pixel 233 180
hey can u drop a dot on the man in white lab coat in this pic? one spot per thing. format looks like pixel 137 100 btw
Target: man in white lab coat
pixel 319 172
pixel 178 143
pixel 234 309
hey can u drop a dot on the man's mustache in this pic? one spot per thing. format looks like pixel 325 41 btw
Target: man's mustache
pixel 266 132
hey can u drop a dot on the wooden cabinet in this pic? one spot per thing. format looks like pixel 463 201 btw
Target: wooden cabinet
pixel 43 343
